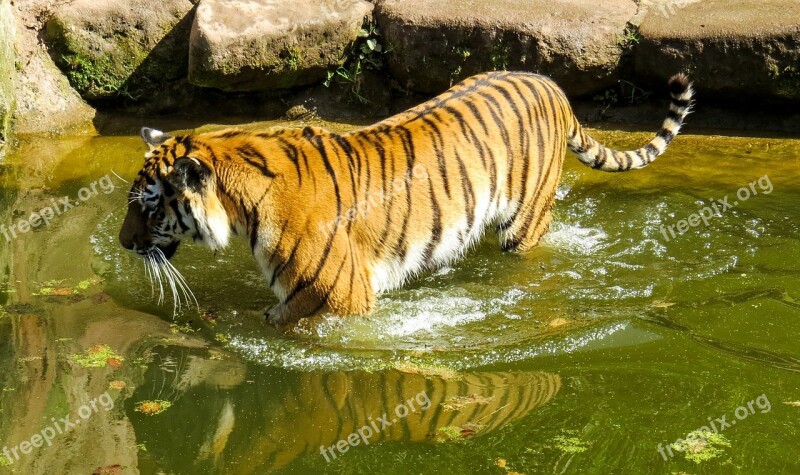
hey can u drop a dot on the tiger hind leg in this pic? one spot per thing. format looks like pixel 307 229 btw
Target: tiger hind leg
pixel 522 236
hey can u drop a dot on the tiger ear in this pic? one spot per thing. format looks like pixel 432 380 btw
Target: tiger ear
pixel 153 138
pixel 190 173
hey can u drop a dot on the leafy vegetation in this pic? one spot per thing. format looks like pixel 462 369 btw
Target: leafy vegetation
pixel 500 57
pixel 368 53
pixel 629 38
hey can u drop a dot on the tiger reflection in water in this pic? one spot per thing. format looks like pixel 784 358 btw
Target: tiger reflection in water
pixel 257 428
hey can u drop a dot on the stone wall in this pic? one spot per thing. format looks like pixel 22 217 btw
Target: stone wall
pixel 162 56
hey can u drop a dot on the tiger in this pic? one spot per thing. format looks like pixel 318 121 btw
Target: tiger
pixel 335 219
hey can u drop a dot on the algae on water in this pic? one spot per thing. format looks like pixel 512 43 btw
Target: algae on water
pixel 702 446
pixel 98 356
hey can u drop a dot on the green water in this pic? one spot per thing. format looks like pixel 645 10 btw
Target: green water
pixel 580 357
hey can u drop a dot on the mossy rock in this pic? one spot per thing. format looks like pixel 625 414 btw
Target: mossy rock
pixel 7 71
pixel 281 44
pixel 120 50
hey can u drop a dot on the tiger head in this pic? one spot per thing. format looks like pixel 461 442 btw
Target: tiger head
pixel 174 197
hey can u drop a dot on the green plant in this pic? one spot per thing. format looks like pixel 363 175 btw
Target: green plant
pixel 500 57
pixel 292 59
pixel 367 53
pixel 463 53
pixel 629 38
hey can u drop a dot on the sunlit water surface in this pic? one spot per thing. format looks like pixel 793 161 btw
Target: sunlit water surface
pixel 579 357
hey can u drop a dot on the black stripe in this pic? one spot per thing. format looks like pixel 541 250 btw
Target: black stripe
pixel 666 135
pixel 496 116
pixel 278 242
pixel 174 205
pixel 292 153
pixel 230 134
pixel 436 228
pixel 682 103
pixel 285 263
pixel 408 146
pixel 254 232
pixel 438 148
pixel 319 143
pixel 469 193
pixel 478 143
pixel 255 158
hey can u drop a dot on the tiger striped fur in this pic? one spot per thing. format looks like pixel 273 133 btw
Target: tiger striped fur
pixel 333 219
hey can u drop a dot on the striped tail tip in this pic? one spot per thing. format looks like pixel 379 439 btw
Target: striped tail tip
pixel 599 157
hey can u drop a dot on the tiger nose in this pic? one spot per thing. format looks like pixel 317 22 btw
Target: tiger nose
pixel 134 242
pixel 126 243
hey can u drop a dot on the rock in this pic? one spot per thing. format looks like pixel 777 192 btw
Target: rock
pixel 7 71
pixel 256 45
pixel 435 43
pixel 45 102
pixel 127 49
pixel 731 48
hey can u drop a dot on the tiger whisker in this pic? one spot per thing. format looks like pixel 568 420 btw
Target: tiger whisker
pixel 146 263
pixel 176 282
pixel 187 292
pixel 117 175
pixel 170 279
pixel 176 302
pixel 157 272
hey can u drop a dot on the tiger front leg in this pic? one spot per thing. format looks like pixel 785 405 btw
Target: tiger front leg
pixel 354 300
pixel 280 315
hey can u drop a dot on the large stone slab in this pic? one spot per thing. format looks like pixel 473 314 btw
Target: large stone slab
pixel 437 42
pixel 113 49
pixel 45 102
pixel 256 45
pixel 731 48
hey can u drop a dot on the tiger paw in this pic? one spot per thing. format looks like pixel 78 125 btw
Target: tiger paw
pixel 276 316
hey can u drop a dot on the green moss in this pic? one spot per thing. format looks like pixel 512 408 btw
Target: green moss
pixel 462 52
pixel 98 70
